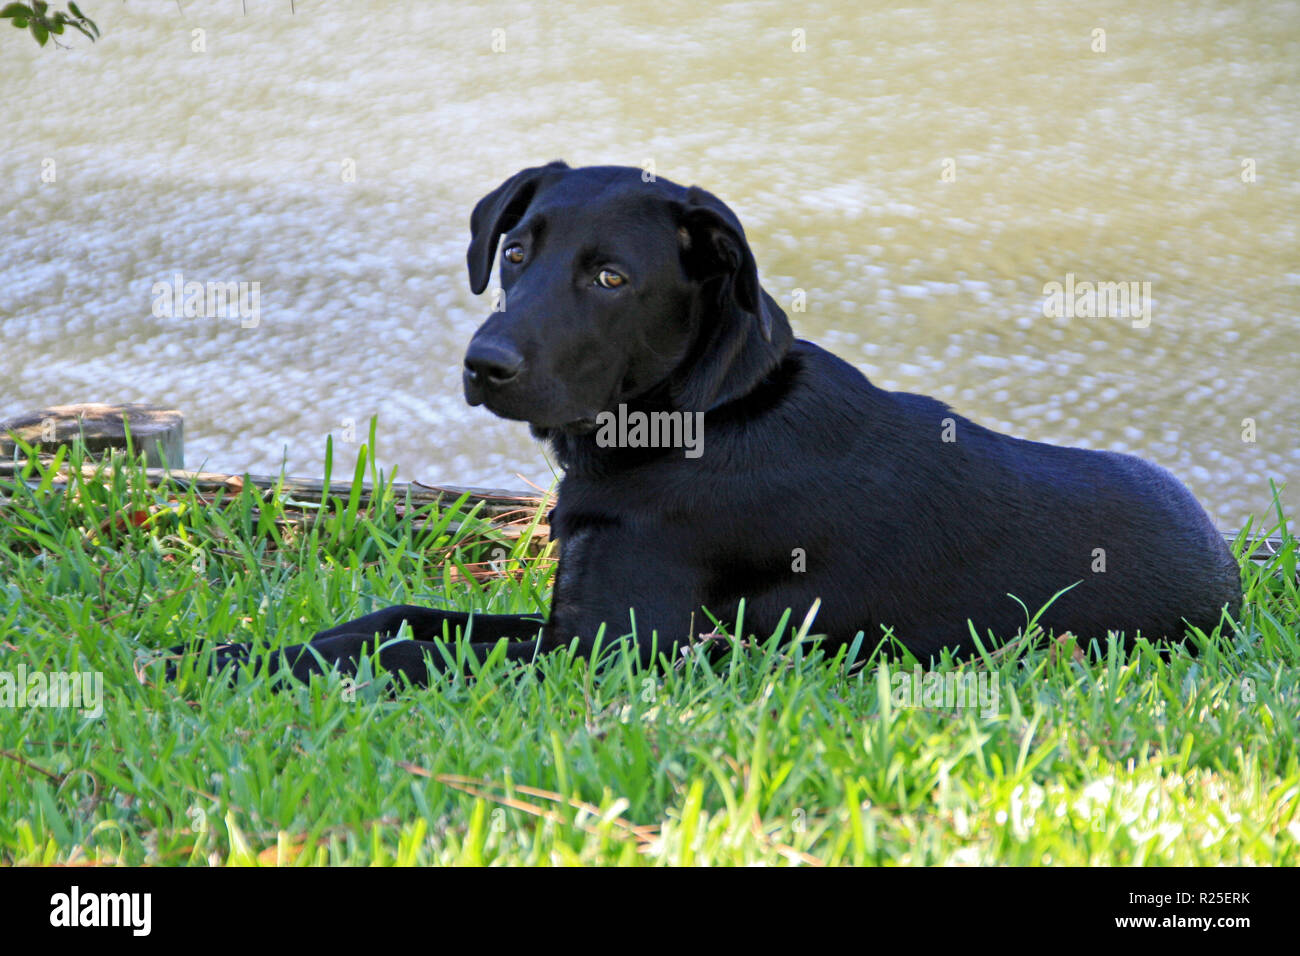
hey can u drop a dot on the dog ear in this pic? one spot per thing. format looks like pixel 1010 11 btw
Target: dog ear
pixel 748 335
pixel 499 212
pixel 714 244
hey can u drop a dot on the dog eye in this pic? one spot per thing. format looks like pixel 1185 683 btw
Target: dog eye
pixel 609 279
pixel 513 254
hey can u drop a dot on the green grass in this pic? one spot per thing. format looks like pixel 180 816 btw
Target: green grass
pixel 770 755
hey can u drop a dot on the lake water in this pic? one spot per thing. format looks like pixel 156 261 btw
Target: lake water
pixel 921 174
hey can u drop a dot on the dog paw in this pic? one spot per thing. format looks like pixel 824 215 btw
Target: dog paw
pixel 224 657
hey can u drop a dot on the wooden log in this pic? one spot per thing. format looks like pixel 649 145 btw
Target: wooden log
pixel 157 431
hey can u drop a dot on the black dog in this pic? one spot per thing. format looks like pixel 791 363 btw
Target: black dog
pixel 806 481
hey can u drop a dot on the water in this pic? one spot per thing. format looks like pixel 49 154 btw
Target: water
pixel 228 165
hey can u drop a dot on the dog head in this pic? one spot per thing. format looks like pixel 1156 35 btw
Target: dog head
pixel 614 289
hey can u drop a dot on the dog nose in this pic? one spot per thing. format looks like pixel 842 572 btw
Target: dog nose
pixel 492 363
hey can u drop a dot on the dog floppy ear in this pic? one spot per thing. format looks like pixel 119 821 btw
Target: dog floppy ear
pixel 744 334
pixel 499 212
pixel 714 244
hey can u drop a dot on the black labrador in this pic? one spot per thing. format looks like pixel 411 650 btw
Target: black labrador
pixel 711 457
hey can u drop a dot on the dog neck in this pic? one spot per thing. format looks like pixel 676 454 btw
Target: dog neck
pixel 730 358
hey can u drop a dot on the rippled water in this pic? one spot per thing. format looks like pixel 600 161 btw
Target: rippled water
pixel 228 165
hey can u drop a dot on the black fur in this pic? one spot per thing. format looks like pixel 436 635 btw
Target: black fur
pixel 898 528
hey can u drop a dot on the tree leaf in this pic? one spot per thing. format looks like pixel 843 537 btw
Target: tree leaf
pixel 39 31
